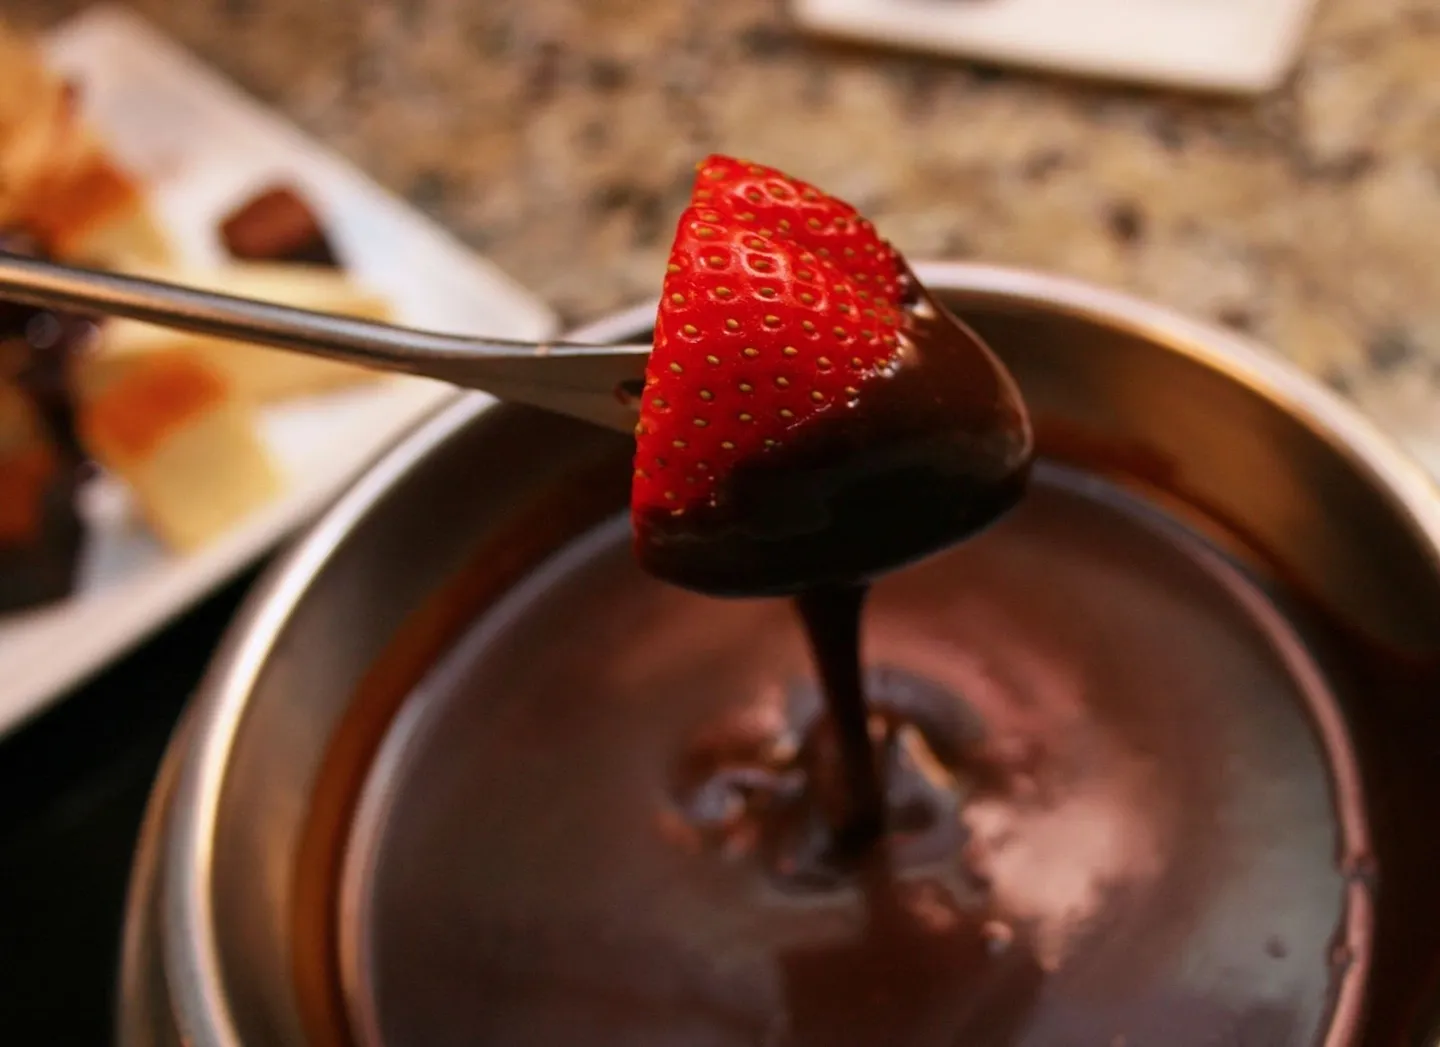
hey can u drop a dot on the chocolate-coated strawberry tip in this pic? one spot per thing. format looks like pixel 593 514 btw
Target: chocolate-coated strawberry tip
pixel 922 460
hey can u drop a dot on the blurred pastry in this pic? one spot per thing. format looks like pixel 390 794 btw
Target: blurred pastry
pixel 41 534
pixel 57 180
pixel 257 375
pixel 278 225
pixel 173 430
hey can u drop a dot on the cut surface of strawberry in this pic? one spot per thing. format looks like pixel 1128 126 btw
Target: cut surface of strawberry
pixel 780 304
pixel 809 414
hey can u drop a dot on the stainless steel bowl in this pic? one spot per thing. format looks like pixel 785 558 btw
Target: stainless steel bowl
pixel 231 928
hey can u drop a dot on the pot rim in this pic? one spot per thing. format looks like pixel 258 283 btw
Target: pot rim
pixel 191 954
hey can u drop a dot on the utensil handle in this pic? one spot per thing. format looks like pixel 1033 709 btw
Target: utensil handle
pixel 581 380
pixel 50 285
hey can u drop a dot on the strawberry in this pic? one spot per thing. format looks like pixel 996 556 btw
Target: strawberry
pixel 780 304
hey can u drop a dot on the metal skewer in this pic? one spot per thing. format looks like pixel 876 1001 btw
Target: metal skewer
pixel 597 383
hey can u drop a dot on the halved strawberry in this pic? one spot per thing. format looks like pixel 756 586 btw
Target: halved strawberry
pixel 811 415
pixel 780 304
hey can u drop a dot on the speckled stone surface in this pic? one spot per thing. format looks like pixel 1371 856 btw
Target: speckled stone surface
pixel 558 137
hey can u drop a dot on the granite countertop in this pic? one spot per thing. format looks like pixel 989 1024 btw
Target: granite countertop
pixel 558 137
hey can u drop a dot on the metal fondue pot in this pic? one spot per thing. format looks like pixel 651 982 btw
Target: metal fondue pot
pixel 237 930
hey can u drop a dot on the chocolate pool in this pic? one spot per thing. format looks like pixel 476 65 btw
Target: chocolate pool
pixel 1164 771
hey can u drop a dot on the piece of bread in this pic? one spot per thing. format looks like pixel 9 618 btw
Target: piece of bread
pixel 258 375
pixel 170 427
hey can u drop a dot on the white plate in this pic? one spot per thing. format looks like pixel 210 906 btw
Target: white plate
pixel 1242 46
pixel 202 147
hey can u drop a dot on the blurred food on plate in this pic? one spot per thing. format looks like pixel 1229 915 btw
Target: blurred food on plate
pixel 277 225
pixel 174 417
pixel 258 375
pixel 173 429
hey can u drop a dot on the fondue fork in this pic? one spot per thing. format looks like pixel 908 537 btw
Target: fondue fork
pixel 596 383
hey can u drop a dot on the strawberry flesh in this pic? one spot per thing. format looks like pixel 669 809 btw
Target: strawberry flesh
pixel 779 305
pixel 809 415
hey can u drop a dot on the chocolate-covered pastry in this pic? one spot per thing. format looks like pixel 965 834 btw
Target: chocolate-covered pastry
pixel 277 226
pixel 42 464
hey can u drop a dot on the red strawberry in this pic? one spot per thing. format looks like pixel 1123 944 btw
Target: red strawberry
pixel 811 415
pixel 780 304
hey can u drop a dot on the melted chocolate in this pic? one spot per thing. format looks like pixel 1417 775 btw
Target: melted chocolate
pixel 923 459
pixel 853 794
pixel 1119 812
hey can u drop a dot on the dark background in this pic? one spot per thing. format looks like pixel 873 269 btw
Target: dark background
pixel 73 786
